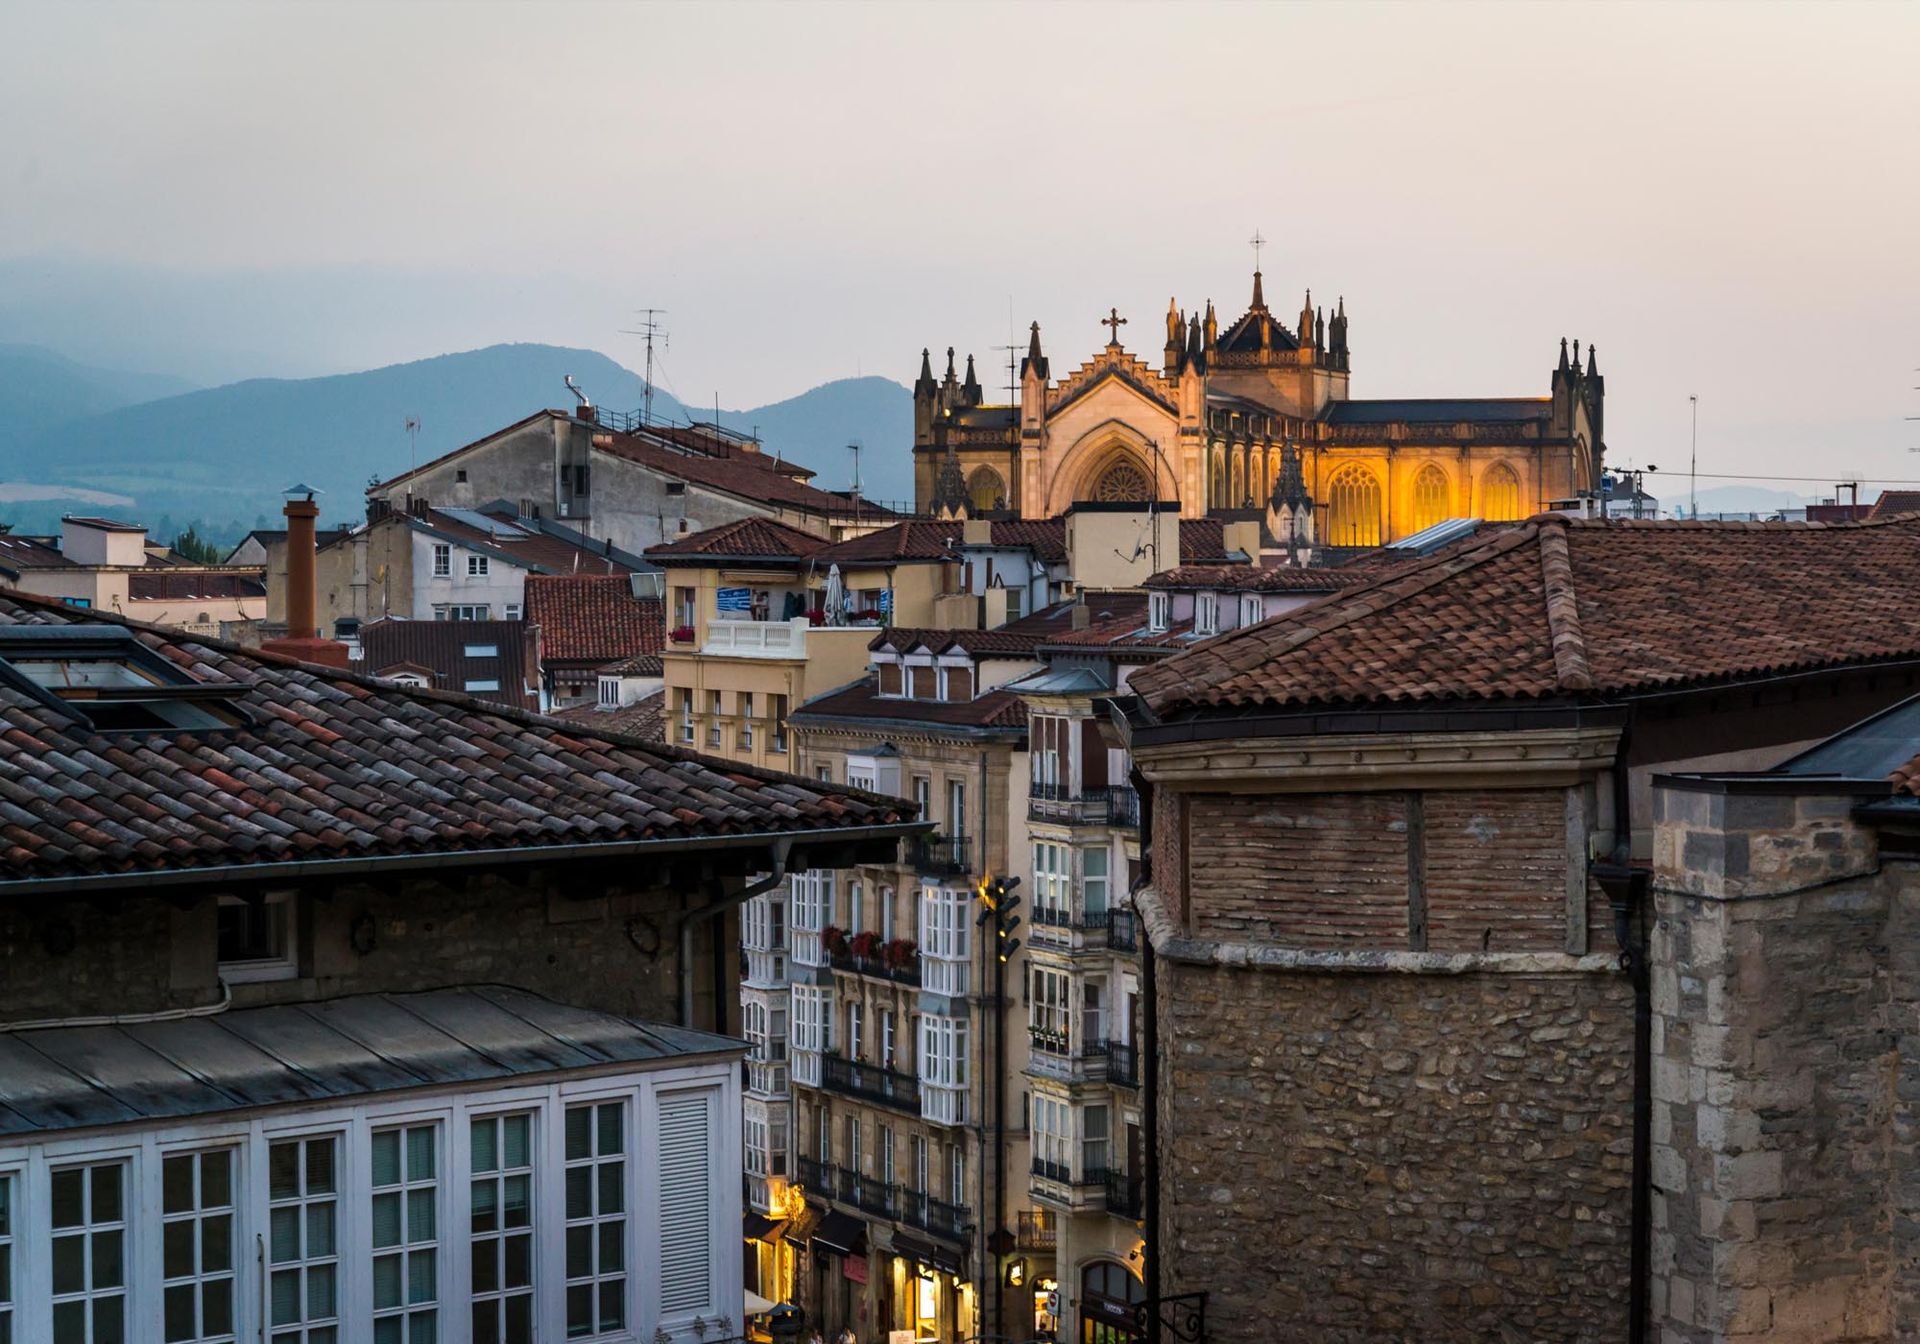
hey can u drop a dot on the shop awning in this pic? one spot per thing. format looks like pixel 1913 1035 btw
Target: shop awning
pixel 759 1227
pixel 841 1233
pixel 927 1253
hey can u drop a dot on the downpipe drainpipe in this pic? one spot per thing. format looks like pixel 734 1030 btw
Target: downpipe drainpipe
pixel 1627 891
pixel 1149 1049
pixel 777 853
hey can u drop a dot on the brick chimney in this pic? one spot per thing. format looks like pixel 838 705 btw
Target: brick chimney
pixel 302 639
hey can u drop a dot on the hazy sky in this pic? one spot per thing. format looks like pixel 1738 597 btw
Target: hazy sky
pixel 1726 199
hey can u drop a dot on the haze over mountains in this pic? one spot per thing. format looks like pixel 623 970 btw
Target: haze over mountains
pixel 224 454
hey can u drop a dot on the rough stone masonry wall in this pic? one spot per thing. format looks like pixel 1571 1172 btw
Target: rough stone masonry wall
pixel 1393 1157
pixel 1783 981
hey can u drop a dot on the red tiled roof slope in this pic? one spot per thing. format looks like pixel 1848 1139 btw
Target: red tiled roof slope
pixel 343 766
pixel 645 718
pixel 1260 579
pixel 761 537
pixel 1892 502
pixel 593 618
pixel 995 709
pixel 748 476
pixel 530 549
pixel 1561 606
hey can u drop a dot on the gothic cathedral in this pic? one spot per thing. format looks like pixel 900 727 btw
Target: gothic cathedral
pixel 1252 421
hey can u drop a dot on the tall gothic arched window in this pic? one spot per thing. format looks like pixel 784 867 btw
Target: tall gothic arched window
pixel 1353 507
pixel 985 490
pixel 1430 502
pixel 1499 494
pixel 1239 494
pixel 1123 480
pixel 1219 491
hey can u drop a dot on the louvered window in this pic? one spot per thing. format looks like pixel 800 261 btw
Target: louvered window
pixel 686 1205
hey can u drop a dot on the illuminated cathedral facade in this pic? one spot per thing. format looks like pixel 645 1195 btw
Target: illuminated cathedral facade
pixel 1252 420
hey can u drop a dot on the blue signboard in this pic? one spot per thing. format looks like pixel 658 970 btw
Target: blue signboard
pixel 736 601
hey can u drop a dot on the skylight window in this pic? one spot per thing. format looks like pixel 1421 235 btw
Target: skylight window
pixel 108 680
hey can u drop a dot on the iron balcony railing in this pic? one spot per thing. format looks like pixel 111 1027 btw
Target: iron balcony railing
pixel 939 855
pixel 1123 931
pixel 1123 1194
pixel 816 1175
pixel 1123 1064
pixel 935 1215
pixel 1115 805
pixel 877 967
pixel 1036 1230
pixel 886 1199
pixel 901 1091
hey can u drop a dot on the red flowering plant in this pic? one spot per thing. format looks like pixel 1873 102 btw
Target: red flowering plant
pixel 900 954
pixel 866 946
pixel 681 634
pixel 834 939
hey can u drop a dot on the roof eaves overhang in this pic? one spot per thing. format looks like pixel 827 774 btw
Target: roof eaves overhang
pixel 744 844
pixel 862 723
pixel 1144 729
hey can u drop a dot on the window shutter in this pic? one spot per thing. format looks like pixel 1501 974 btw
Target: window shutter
pixel 686 1206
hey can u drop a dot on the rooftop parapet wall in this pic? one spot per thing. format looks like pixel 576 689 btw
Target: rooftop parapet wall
pixel 1758 841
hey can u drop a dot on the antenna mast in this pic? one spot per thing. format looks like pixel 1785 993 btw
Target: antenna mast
pixel 650 327
pixel 1693 461
pixel 413 443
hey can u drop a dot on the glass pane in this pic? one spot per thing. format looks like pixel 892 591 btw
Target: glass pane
pixel 519 1321
pixel 326 1336
pixel 486 1323
pixel 611 1140
pixel 613 1304
pixel 70 1323
pixel 110 1320
pixel 283 1171
pixel 285 1236
pixel 422 1276
pixel 106 1194
pixel 386 1219
pixel 486 1268
pixel 179 1313
pixel 386 1158
pixel 216 1180
pixel 386 1281
pixel 216 1307
pixel 518 1134
pixel 420 1216
pixel 579 1313
pixel 286 1296
pixel 320 1229
pixel 387 1331
pixel 484 1205
pixel 70 1264
pixel 612 1247
pixel 518 1199
pixel 68 1199
pixel 518 1254
pixel 106 1260
pixel 176 1185
pixel 320 1292
pixel 420 1154
pixel 579 1252
pixel 580 1192
pixel 216 1243
pixel 319 1166
pixel 423 1327
pixel 579 1142
pixel 612 1177
pixel 176 1249
pixel 484 1142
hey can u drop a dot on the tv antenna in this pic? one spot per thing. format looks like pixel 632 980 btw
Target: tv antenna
pixel 651 328
pixel 854 448
pixel 1693 461
pixel 412 428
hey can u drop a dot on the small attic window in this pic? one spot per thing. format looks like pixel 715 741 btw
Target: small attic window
pixel 110 681
pixel 1157 613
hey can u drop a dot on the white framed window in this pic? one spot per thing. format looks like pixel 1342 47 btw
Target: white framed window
pixel 713 719
pixel 888 1043
pixel 1159 609
pixel 1094 881
pixel 823 1135
pixel 745 704
pixel 956 1174
pixel 303 1243
pixel 1047 1009
pixel 888 1176
pixel 510 612
pixel 1052 883
pixel 943 1050
pixel 442 560
pixel 501 1227
pixel 1253 609
pixel 1206 614
pixel 6 1259
pixel 856 1022
pixel 922 1172
pixel 886 914
pixel 946 937
pixel 957 809
pixel 257 937
pixel 754 1142
pixel 406 1235
pixel 465 611
pixel 812 1018
pixel 686 714
pixel 610 692
pixel 1095 1148
pixel 196 1246
pixel 473 684
pixel 1052 1136
pixel 476 566
pixel 856 906
pixel 89 1254
pixel 1016 603
pixel 687 1197
pixel 596 1206
pixel 856 1151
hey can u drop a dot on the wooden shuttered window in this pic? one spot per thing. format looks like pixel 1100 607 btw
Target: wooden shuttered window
pixel 922 683
pixel 889 678
pixel 960 684
pixel 686 1205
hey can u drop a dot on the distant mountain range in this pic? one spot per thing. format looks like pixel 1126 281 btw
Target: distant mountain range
pixel 224 454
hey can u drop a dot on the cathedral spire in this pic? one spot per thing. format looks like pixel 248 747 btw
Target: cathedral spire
pixel 924 384
pixel 1211 328
pixel 1176 336
pixel 1259 298
pixel 1196 344
pixel 1563 354
pixel 949 488
pixel 970 390
pixel 951 379
pixel 1034 360
pixel 1306 320
pixel 1593 362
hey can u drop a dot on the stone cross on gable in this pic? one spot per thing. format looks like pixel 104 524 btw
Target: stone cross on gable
pixel 1115 321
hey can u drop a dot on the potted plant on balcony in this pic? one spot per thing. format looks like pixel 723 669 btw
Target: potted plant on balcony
pixel 866 945
pixel 681 634
pixel 834 939
pixel 899 954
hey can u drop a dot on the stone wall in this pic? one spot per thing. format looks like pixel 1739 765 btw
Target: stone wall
pixel 1392 1156
pixel 1784 983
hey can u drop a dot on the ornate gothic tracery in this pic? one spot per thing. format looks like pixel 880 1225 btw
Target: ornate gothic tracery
pixel 1430 502
pixel 1123 481
pixel 1353 508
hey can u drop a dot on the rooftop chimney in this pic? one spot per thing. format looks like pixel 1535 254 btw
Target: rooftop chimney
pixel 302 639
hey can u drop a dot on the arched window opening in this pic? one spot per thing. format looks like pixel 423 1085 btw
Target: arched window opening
pixel 1353 507
pixel 1123 481
pixel 1239 480
pixel 1430 502
pixel 1217 494
pixel 985 490
pixel 1500 494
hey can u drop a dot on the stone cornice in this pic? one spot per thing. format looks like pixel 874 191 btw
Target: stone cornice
pixel 1371 762
pixel 1173 943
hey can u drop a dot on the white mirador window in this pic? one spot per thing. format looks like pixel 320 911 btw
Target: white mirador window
pixel 1159 608
pixel 943 1050
pixel 442 560
pixel 1052 1134
pixel 257 937
pixel 502 1228
pixel 812 1018
pixel 476 566
pixel 1253 609
pixel 1052 882
pixel 406 1235
pixel 945 940
pixel 687 1199
pixel 303 1245
pixel 196 1246
pixel 1206 614
pixel 89 1254
pixel 1047 1008
pixel 596 1219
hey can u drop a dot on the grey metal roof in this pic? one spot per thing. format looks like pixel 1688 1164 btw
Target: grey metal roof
pixel 1062 681
pixel 79 1077
pixel 1870 750
pixel 1442 410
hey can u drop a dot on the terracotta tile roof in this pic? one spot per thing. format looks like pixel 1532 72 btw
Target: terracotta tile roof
pixel 440 648
pixel 1202 542
pixel 524 546
pixel 1566 607
pixel 749 476
pixel 335 765
pixel 1259 579
pixel 913 540
pixel 175 587
pixel 645 718
pixel 862 700
pixel 592 619
pixel 640 665
pixel 756 538
pixel 1045 537
pixel 1001 642
pixel 1893 502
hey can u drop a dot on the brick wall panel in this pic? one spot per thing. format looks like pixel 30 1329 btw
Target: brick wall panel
pixel 1496 870
pixel 1325 871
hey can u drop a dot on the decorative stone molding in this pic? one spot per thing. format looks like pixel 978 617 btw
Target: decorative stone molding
pixel 1364 762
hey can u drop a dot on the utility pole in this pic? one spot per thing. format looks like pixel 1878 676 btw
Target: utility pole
pixel 998 901
pixel 650 327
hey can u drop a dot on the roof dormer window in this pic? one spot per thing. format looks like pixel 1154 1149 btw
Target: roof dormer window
pixel 1206 614
pixel 1253 609
pixel 1157 611
pixel 107 679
